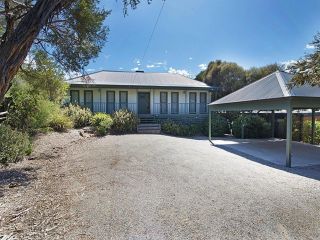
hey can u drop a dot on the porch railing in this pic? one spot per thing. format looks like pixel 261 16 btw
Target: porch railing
pixel 155 109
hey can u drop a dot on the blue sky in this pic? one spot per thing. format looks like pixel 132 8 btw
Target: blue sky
pixel 191 33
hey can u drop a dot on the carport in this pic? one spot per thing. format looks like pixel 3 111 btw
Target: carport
pixel 271 93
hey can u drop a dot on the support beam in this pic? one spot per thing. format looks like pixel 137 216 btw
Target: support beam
pixel 209 124
pixel 289 136
pixel 313 125
pixel 272 123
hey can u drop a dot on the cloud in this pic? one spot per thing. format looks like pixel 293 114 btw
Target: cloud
pixel 190 58
pixel 310 46
pixel 157 64
pixel 182 72
pixel 137 61
pixel 107 56
pixel 91 69
pixel 286 64
pixel 203 66
pixel 135 69
pixel 120 68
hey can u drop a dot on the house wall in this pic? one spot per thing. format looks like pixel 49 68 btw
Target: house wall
pixel 100 94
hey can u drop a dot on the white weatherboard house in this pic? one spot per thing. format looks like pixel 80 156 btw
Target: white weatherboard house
pixel 157 95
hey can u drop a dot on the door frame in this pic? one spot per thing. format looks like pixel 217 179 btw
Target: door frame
pixel 148 93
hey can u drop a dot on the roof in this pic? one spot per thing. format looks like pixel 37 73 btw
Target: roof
pixel 273 86
pixel 138 79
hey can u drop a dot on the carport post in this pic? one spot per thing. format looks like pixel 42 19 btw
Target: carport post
pixel 209 124
pixel 289 136
pixel 272 123
pixel 313 125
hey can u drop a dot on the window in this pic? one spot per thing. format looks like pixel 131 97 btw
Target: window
pixel 163 103
pixel 110 102
pixel 88 99
pixel 123 99
pixel 74 97
pixel 203 102
pixel 192 102
pixel 174 102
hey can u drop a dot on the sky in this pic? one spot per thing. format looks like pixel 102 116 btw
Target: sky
pixel 191 33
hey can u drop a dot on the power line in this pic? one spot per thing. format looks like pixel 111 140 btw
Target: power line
pixel 152 33
pixel 150 39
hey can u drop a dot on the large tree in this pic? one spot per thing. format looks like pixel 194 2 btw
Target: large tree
pixel 225 76
pixel 307 69
pixel 72 31
pixel 228 77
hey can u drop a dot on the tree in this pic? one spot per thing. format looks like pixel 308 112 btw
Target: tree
pixel 72 31
pixel 307 69
pixel 228 77
pixel 256 73
pixel 44 76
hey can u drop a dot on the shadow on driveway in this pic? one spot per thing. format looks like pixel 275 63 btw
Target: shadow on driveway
pixel 10 178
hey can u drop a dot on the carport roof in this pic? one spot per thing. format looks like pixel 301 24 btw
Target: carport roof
pixel 275 85
pixel 272 92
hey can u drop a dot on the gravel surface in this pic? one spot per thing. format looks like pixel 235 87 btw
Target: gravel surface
pixel 161 187
pixel 153 187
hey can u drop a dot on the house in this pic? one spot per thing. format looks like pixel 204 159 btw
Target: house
pixel 149 95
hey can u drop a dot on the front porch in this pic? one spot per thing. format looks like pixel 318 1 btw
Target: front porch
pixel 162 109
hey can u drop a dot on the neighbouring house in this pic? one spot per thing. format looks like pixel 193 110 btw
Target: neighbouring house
pixel 149 95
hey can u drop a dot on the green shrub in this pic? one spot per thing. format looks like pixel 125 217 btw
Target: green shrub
pixel 172 128
pixel 80 116
pixel 124 121
pixel 101 123
pixel 60 122
pixel 97 118
pixel 219 126
pixel 307 128
pixel 14 145
pixel 28 111
pixel 255 127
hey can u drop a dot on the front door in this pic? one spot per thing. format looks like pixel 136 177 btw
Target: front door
pixel 143 103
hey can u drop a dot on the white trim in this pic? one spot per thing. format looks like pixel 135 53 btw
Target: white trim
pixel 285 90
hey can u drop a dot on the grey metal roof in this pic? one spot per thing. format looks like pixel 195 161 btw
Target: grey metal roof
pixel 273 86
pixel 139 79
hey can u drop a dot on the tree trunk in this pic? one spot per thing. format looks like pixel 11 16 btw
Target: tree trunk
pixel 15 49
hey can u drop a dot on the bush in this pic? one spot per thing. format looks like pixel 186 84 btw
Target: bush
pixel 101 123
pixel 172 128
pixel 124 121
pixel 307 128
pixel 14 145
pixel 219 126
pixel 80 116
pixel 28 111
pixel 255 127
pixel 60 122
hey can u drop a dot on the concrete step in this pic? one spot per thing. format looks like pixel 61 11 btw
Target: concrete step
pixel 149 128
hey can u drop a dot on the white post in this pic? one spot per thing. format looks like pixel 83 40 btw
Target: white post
pixel 313 126
pixel 272 123
pixel 289 136
pixel 210 124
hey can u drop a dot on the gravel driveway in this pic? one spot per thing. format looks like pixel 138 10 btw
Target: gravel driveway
pixel 161 187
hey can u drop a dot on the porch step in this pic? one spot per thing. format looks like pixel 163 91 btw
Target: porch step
pixel 149 128
pixel 147 120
